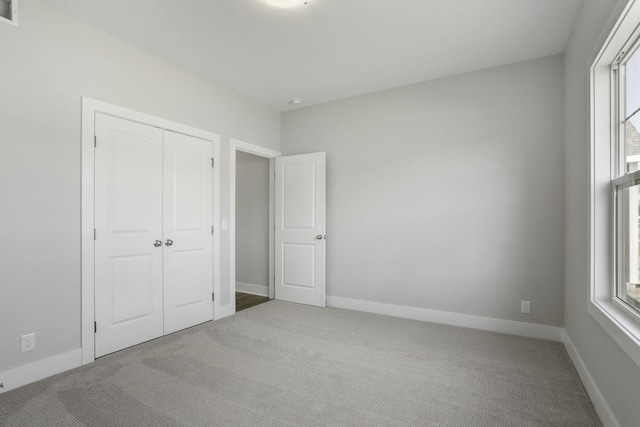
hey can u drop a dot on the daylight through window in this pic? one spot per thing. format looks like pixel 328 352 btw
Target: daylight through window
pixel 627 184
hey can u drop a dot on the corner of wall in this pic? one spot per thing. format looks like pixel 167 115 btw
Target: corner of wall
pixel 602 407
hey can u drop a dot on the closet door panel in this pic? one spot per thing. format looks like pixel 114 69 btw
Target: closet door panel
pixel 188 250
pixel 128 221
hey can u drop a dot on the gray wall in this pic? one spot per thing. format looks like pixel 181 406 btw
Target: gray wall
pixel 614 373
pixel 252 219
pixel 446 195
pixel 48 63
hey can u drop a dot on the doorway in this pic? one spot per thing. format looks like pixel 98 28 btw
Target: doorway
pixel 251 240
pixel 252 230
pixel 297 229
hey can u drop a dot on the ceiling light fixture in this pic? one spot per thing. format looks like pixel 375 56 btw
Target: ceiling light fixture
pixel 286 4
pixel 295 101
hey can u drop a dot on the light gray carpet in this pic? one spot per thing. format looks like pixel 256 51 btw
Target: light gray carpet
pixel 280 364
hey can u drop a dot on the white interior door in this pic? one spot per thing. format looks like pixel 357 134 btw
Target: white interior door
pixel 154 242
pixel 188 239
pixel 128 222
pixel 300 198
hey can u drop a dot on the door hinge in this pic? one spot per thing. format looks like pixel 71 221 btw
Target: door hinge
pixel 95 140
pixel 213 296
pixel 95 327
pixel 212 229
pixel 213 162
pixel 95 233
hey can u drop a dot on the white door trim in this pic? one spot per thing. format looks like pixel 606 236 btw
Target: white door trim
pixel 237 145
pixel 89 109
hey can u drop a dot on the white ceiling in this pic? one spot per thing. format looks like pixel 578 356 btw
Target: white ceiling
pixel 332 49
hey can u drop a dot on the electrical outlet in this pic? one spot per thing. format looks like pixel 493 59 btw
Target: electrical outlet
pixel 525 307
pixel 27 342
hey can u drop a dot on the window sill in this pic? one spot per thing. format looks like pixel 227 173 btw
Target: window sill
pixel 619 326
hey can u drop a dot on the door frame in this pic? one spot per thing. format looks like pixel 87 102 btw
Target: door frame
pixel 236 145
pixel 87 253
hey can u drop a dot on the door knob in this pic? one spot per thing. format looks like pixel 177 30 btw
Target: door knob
pixel 319 237
pixel 168 242
pixel 157 243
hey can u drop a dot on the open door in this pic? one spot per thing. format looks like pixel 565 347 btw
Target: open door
pixel 300 199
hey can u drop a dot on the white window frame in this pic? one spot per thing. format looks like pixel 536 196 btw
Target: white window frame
pixel 618 320
pixel 622 179
pixel 13 19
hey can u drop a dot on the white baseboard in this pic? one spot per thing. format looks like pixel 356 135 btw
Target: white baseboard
pixel 602 408
pixel 35 371
pixel 248 288
pixel 455 319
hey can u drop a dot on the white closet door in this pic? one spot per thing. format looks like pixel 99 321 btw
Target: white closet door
pixel 128 221
pixel 188 240
pixel 300 228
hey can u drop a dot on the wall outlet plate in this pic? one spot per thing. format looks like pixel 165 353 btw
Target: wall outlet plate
pixel 27 342
pixel 525 307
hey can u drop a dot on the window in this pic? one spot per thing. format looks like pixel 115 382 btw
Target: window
pixel 9 11
pixel 615 183
pixel 626 182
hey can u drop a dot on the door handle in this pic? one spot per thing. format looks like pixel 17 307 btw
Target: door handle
pixel 157 243
pixel 320 237
pixel 168 242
